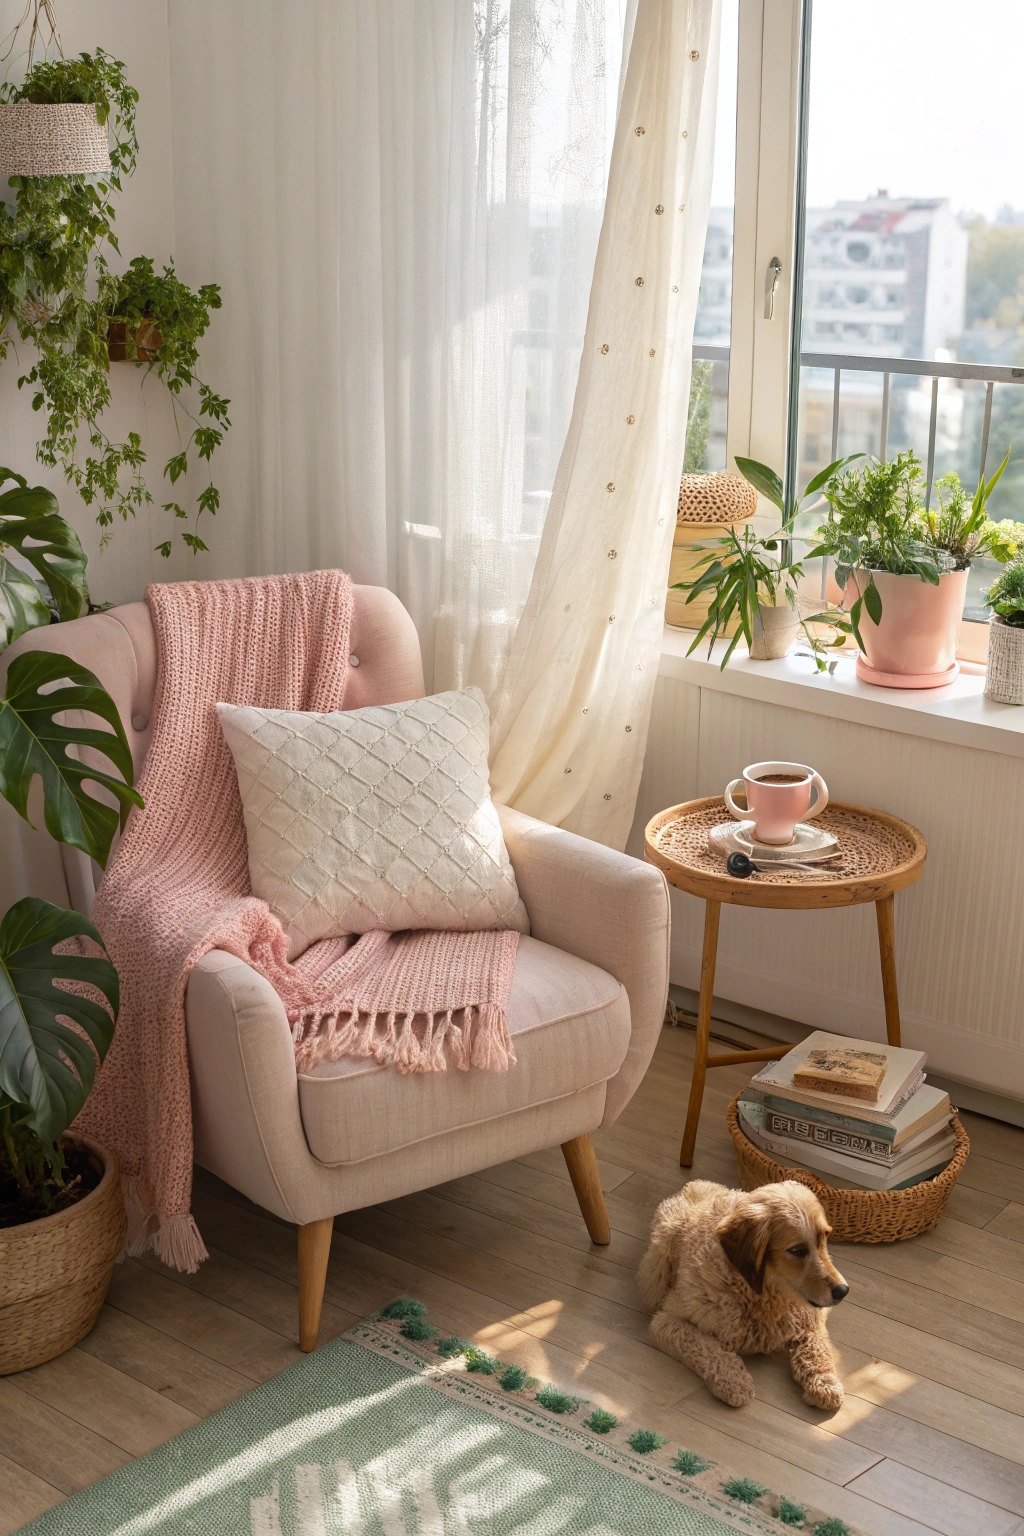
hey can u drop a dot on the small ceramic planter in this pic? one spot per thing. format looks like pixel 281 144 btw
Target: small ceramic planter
pixel 1004 676
pixel 775 629
pixel 914 646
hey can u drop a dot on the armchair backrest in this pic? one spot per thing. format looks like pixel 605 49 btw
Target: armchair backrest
pixel 120 648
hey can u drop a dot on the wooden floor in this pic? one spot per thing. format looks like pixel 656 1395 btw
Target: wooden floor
pixel 931 1342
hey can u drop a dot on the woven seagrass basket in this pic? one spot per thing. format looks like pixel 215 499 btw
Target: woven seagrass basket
pixel 709 506
pixel 857 1215
pixel 55 1272
pixel 52 139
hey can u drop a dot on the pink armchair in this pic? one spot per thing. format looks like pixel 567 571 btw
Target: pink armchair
pixel 587 1002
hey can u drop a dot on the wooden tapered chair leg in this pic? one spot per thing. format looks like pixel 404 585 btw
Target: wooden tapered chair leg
pixel 581 1161
pixel 314 1251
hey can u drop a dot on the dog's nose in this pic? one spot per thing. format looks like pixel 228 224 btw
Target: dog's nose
pixel 839 1291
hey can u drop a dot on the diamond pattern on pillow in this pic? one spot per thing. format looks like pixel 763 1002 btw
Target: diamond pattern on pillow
pixel 373 818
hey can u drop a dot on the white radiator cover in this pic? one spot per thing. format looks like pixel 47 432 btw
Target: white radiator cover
pixel 959 931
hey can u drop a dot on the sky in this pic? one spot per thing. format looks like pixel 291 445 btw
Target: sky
pixel 921 97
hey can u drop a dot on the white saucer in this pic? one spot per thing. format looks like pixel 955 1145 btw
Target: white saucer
pixel 810 844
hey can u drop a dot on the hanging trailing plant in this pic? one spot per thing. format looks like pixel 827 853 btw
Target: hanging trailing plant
pixel 58 293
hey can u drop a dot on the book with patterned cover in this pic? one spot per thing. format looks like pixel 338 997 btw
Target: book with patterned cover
pixel 855 1074
pixel 902 1067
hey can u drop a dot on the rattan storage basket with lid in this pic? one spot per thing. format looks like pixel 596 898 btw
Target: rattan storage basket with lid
pixel 709 505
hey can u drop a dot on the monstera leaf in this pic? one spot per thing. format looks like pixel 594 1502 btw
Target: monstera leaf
pixel 22 605
pixel 31 742
pixel 44 1064
pixel 30 523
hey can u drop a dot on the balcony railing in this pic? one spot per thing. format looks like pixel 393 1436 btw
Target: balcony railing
pixel 989 374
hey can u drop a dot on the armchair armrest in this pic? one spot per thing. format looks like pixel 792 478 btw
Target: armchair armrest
pixel 605 907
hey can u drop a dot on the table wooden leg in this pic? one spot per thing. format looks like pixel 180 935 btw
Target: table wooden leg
pixel 887 952
pixel 712 912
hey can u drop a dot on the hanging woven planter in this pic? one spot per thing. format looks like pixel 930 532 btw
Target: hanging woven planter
pixel 52 139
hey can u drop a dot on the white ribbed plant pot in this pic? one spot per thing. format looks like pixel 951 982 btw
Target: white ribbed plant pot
pixel 52 139
pixel 1004 675
pixel 774 631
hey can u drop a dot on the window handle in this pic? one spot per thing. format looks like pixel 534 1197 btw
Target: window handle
pixel 771 282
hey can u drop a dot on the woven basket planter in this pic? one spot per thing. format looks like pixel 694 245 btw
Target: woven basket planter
pixel 44 139
pixel 857 1215
pixel 55 1272
pixel 143 334
pixel 710 506
pixel 1004 675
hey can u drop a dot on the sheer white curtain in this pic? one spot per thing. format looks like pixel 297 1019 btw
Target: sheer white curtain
pixel 570 718
pixel 402 202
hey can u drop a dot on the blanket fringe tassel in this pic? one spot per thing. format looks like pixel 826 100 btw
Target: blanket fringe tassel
pixel 174 1239
pixel 480 1039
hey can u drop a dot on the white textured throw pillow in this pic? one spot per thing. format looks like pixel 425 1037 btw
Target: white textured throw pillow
pixel 373 818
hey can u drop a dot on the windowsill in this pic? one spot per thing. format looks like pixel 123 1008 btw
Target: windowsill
pixel 958 713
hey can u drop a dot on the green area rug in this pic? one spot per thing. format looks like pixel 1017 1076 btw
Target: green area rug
pixel 393 1430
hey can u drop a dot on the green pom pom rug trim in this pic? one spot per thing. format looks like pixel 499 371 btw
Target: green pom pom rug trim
pixel 774 1512
pixel 744 1489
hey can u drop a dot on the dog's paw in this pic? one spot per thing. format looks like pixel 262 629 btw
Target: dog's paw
pixel 824 1392
pixel 734 1386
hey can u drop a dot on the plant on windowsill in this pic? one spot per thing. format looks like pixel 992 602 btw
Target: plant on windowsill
pixel 57 292
pixel 1004 674
pixel 749 583
pixel 62 1217
pixel 903 570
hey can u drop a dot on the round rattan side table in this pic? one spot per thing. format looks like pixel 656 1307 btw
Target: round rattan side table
pixel 878 855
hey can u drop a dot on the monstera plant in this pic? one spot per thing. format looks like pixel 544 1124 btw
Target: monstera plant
pixel 52 1039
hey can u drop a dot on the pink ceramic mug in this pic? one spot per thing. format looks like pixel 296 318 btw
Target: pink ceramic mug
pixel 778 796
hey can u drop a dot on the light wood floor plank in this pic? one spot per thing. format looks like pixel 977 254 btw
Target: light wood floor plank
pixel 50 1445
pixel 808 1445
pixel 913 1494
pixel 972 1206
pixel 23 1496
pixel 994 1178
pixel 107 1401
pixel 179 1373
pixel 551 1161
pixel 1009 1222
pixel 994 1138
pixel 947 1316
pixel 930 1266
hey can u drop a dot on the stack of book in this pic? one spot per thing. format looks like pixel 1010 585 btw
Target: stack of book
pixel 863 1116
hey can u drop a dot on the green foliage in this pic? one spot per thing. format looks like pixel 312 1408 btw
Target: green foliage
pixel 417 1328
pixel 959 530
pixel 31 524
pixel 557 1402
pixel 832 1527
pixel 1006 594
pixel 995 275
pixel 689 1463
pixel 744 1489
pixel 32 742
pixel 47 1068
pixel 740 570
pixel 601 1421
pixel 698 421
pixel 874 521
pixel 790 1513
pixel 449 1348
pixel 57 292
pixel 768 484
pixel 644 1441
pixel 480 1360
pixel 404 1307
pixel 513 1379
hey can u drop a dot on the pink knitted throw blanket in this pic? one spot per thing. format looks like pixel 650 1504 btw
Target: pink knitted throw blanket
pixel 178 886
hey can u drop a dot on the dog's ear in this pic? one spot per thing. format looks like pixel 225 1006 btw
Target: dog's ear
pixel 745 1236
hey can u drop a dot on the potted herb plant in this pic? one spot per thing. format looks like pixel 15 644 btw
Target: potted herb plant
pixel 749 583
pixel 1004 675
pixel 62 1220
pixel 710 506
pixel 903 570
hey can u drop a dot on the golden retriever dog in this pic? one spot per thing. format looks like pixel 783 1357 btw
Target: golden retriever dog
pixel 730 1274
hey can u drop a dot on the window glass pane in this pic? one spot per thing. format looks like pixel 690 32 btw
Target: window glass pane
pixel 914 243
pixel 709 383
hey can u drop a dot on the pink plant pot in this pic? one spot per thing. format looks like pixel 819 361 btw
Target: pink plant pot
pixel 914 646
